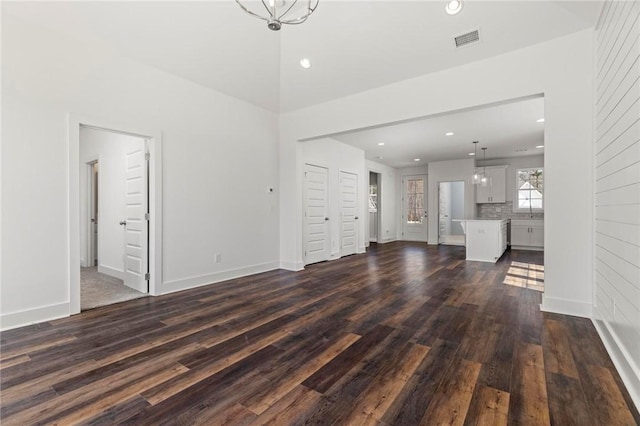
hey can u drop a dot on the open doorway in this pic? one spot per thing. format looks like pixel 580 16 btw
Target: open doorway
pixel 114 229
pixel 451 213
pixel 374 206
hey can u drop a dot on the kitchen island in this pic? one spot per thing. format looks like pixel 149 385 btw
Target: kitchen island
pixel 486 240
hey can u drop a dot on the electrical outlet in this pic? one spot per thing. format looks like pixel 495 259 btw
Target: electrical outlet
pixel 218 257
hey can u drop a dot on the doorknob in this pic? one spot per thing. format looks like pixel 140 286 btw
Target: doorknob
pixel 326 218
pixel 123 222
pixel 356 218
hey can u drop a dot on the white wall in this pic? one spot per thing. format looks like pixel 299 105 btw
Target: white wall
pixel 388 199
pixel 337 156
pixel 513 164
pixel 220 155
pixel 567 84
pixel 617 189
pixel 447 171
pixel 110 148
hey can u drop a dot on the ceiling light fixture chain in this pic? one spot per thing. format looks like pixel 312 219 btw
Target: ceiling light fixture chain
pixel 281 12
pixel 476 176
pixel 484 180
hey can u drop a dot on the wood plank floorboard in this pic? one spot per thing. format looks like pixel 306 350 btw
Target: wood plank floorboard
pixel 405 334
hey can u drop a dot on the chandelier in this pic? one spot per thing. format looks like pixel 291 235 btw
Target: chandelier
pixel 279 12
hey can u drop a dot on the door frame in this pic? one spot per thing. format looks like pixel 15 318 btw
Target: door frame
pixel 464 188
pixel 88 254
pixel 403 205
pixel 379 238
pixel 357 215
pixel 154 139
pixel 328 225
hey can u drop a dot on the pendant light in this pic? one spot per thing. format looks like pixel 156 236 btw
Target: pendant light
pixel 476 175
pixel 483 179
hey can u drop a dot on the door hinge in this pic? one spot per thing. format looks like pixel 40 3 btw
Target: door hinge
pixel 147 276
pixel 147 216
pixel 147 156
pixel 305 254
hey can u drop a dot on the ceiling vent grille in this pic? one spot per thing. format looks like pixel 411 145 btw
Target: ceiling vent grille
pixel 468 38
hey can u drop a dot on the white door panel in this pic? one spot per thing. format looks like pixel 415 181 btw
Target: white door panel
pixel 348 213
pixel 316 214
pixel 136 229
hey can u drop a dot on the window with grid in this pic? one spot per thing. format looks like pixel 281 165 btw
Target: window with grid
pixel 530 184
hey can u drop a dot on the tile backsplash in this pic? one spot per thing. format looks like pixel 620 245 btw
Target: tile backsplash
pixel 503 211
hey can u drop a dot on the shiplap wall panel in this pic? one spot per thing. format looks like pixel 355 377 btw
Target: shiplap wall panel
pixel 616 281
pixel 618 52
pixel 621 231
pixel 622 142
pixel 624 159
pixel 617 175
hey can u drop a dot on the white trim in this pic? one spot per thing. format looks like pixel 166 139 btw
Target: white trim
pixel 566 307
pixel 112 272
pixel 387 240
pixel 291 266
pixel 73 196
pixel 530 248
pixel 621 359
pixel 33 316
pixel 201 280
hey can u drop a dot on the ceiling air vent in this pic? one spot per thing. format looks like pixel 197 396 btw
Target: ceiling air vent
pixel 468 38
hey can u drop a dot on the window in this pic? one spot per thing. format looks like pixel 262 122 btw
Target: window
pixel 530 184
pixel 415 200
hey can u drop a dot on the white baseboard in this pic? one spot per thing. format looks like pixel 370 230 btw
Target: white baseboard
pixel 530 248
pixel 629 373
pixel 291 266
pixel 362 249
pixel 112 272
pixel 565 307
pixel 193 282
pixel 33 316
pixel 387 240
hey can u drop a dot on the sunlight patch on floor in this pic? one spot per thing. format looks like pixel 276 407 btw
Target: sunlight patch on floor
pixel 525 275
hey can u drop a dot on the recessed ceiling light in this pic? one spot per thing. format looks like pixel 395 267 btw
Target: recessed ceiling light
pixel 305 63
pixel 540 120
pixel 472 154
pixel 416 159
pixel 449 134
pixel 453 7
pixel 540 146
pixel 380 143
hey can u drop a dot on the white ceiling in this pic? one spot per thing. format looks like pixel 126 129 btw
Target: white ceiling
pixel 353 45
pixel 507 130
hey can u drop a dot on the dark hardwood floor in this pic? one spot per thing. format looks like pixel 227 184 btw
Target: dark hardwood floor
pixel 403 335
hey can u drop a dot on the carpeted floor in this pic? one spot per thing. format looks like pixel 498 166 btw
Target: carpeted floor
pixel 99 289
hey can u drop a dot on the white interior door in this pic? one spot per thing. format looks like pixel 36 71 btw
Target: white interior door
pixel 135 223
pixel 316 214
pixel 348 213
pixel 414 208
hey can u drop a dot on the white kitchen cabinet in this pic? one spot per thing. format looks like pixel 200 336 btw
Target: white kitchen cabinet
pixel 486 240
pixel 527 234
pixel 496 189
